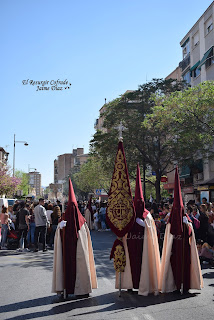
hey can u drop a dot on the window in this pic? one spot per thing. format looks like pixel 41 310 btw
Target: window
pixel 209 60
pixel 196 73
pixel 186 48
pixel 195 39
pixel 187 77
pixel 208 25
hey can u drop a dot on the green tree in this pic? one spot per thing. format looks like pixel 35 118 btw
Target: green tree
pixel 187 118
pixel 91 176
pixel 142 144
pixel 24 178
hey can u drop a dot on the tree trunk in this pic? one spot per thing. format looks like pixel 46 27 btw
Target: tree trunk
pixel 157 186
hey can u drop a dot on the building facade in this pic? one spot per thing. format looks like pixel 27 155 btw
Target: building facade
pixel 3 158
pixel 35 182
pixel 66 162
pixel 197 48
pixel 197 66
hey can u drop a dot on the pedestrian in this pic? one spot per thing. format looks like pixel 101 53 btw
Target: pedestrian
pixel 4 227
pixel 58 203
pixel 32 227
pixel 96 220
pixel 55 217
pixel 23 227
pixel 204 222
pixel 49 211
pixel 88 217
pixel 103 216
pixel 41 221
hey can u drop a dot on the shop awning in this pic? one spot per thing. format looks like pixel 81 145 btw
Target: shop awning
pixel 195 66
pixel 203 60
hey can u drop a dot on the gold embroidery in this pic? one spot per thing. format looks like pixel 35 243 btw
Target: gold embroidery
pixel 119 258
pixel 120 206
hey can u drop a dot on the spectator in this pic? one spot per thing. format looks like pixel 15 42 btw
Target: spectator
pixel 49 212
pixel 4 227
pixel 32 227
pixel 103 216
pixel 41 221
pixel 96 220
pixel 58 203
pixel 23 227
pixel 203 230
pixel 55 217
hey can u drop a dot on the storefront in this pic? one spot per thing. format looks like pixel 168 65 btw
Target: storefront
pixel 207 190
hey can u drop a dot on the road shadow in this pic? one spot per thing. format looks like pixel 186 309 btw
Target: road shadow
pixel 115 304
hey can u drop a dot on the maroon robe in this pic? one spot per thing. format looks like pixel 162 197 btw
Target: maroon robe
pixel 136 234
pixel 75 220
pixel 180 254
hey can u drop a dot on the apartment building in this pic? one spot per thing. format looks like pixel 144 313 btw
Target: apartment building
pixel 66 162
pixel 197 66
pixel 197 48
pixel 35 182
pixel 3 158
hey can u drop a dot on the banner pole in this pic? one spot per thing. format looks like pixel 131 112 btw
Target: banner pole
pixel 120 284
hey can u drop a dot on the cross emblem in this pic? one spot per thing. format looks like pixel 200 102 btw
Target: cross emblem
pixel 120 129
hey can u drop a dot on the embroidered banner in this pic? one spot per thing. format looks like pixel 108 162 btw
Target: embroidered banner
pixel 120 214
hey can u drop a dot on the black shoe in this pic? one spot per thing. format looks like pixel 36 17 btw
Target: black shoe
pixel 44 250
pixel 36 250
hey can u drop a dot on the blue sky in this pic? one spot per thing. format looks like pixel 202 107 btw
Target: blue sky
pixel 102 48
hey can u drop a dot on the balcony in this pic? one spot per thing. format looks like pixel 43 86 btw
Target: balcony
pixel 185 62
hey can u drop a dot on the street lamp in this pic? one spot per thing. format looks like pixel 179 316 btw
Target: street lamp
pixel 25 143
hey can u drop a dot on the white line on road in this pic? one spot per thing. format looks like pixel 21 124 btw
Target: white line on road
pixel 148 317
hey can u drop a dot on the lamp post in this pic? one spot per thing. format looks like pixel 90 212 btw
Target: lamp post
pixel 25 143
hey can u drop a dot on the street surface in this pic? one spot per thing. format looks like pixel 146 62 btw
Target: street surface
pixel 25 282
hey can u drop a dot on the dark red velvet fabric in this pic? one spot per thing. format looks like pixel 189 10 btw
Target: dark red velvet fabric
pixel 136 234
pixel 180 254
pixel 75 220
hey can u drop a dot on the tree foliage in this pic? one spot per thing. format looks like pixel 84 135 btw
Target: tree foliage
pixel 92 176
pixel 187 118
pixel 142 143
pixel 8 184
pixel 24 184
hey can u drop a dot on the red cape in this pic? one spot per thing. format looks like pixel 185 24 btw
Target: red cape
pixel 136 233
pixel 75 220
pixel 180 255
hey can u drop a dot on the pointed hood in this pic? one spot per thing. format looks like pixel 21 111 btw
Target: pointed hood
pixel 120 213
pixel 139 203
pixel 177 213
pixel 72 215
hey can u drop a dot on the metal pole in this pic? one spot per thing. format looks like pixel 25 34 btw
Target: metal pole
pixel 119 284
pixel 14 157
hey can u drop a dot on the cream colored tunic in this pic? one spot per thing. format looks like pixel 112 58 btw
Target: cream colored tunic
pixel 86 278
pixel 150 268
pixel 167 283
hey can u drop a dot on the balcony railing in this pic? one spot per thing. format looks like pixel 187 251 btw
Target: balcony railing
pixel 185 62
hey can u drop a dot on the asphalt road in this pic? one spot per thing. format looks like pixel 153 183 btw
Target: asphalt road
pixel 25 291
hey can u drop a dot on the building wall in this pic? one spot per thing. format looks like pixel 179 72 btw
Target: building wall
pixel 66 162
pixel 3 158
pixel 35 182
